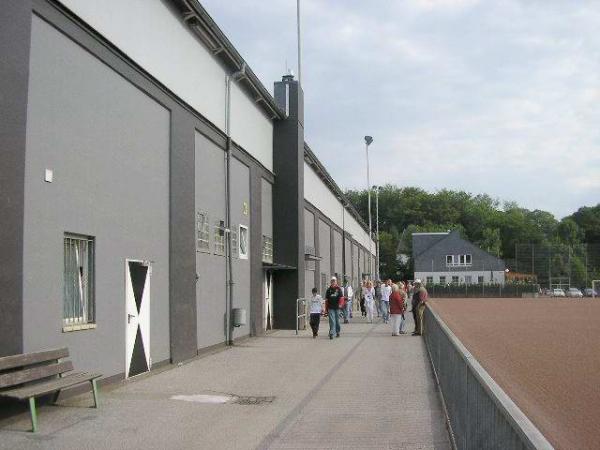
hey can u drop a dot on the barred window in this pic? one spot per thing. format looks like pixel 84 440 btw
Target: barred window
pixel 78 290
pixel 219 237
pixel 202 232
pixel 243 247
pixel 429 280
pixel 267 249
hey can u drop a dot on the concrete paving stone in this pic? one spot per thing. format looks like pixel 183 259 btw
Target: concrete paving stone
pixel 365 390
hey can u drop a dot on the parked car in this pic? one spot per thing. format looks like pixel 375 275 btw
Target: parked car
pixel 574 292
pixel 589 292
pixel 558 293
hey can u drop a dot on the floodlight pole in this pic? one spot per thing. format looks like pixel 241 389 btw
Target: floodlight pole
pixel 368 141
pixel 376 188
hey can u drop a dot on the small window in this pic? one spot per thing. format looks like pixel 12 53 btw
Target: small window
pixel 267 249
pixel 442 280
pixel 202 232
pixel 429 280
pixel 461 259
pixel 468 279
pixel 243 247
pixel 219 237
pixel 468 259
pixel 480 279
pixel 450 259
pixel 79 308
pixel 455 280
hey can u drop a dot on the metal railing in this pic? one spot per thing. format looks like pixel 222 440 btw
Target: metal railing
pixel 300 313
pixel 481 414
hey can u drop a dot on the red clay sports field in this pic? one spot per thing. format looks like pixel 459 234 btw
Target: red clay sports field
pixel 544 353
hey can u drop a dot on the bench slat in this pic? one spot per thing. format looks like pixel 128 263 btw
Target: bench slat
pixel 34 373
pixel 46 387
pixel 10 362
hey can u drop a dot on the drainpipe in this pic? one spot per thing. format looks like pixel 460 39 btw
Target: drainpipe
pixel 229 268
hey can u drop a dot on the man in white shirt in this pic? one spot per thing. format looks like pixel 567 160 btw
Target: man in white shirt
pixel 348 294
pixel 386 291
pixel 316 309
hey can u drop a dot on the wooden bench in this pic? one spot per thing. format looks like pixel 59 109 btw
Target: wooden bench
pixel 31 375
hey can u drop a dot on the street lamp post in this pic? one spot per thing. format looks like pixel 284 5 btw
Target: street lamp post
pixel 376 188
pixel 368 141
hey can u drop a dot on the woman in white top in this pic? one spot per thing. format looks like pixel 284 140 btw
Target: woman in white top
pixel 316 309
pixel 369 294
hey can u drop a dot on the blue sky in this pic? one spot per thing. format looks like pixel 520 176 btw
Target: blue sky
pixel 496 97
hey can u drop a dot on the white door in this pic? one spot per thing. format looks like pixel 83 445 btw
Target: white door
pixel 137 319
pixel 268 306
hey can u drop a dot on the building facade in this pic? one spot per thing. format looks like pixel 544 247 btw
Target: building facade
pixel 443 258
pixel 138 143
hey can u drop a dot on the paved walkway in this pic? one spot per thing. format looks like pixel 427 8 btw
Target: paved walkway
pixel 365 390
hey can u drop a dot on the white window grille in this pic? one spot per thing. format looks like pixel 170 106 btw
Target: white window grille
pixel 267 249
pixel 442 280
pixel 243 237
pixel 429 280
pixel 480 279
pixel 78 290
pixel 468 259
pixel 455 280
pixel 468 279
pixel 449 259
pixel 202 232
pixel 219 237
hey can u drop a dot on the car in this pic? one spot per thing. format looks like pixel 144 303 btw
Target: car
pixel 558 293
pixel 589 292
pixel 574 293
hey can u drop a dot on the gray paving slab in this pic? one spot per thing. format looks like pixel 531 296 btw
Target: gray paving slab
pixel 365 390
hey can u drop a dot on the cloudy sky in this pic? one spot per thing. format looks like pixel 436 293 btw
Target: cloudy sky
pixel 497 97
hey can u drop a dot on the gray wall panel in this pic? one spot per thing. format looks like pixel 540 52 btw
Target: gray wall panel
pixel 337 248
pixel 266 208
pixel 210 268
pixel 324 251
pixel 15 28
pixel 108 144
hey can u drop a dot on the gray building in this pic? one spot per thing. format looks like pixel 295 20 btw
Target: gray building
pixel 442 258
pixel 141 199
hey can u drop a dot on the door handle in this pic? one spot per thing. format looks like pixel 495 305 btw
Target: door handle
pixel 129 316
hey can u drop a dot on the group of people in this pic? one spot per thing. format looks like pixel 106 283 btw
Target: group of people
pixel 388 298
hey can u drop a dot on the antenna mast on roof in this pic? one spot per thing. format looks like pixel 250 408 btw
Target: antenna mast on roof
pixel 299 43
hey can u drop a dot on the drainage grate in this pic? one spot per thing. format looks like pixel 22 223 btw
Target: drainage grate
pixel 253 400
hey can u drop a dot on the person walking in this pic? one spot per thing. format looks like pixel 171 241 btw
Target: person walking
pixel 369 295
pixel 378 297
pixel 333 296
pixel 348 294
pixel 316 309
pixel 363 288
pixel 403 293
pixel 386 291
pixel 419 299
pixel 396 309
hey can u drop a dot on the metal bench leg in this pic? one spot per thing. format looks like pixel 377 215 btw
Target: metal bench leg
pixel 33 413
pixel 95 391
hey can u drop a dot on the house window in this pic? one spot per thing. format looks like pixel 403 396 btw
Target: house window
pixel 461 259
pixel 455 280
pixel 480 279
pixel 219 237
pixel 442 280
pixel 468 259
pixel 267 249
pixel 202 232
pixel 78 290
pixel 429 280
pixel 243 247
pixel 468 279
pixel 449 259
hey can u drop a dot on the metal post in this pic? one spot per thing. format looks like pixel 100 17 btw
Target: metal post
pixel 377 228
pixel 368 140
pixel 299 43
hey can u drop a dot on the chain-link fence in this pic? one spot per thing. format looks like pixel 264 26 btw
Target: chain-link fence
pixel 517 289
pixel 555 265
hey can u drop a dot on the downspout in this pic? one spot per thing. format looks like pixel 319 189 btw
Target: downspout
pixel 229 267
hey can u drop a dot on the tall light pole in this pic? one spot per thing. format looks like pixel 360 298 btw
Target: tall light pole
pixel 376 188
pixel 368 141
pixel 299 30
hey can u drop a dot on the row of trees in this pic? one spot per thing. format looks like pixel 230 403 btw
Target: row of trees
pixel 499 228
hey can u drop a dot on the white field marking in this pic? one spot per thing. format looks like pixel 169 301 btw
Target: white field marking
pixel 202 398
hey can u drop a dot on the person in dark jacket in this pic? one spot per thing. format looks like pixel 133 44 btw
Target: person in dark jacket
pixel 332 297
pixel 419 299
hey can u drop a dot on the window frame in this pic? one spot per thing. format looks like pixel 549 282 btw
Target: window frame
pixel 87 305
pixel 267 249
pixel 442 279
pixel 455 279
pixel 449 260
pixel 219 238
pixel 203 228
pixel 246 252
